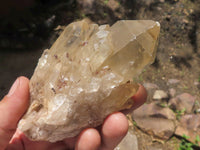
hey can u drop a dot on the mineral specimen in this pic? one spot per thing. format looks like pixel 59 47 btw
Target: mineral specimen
pixel 86 75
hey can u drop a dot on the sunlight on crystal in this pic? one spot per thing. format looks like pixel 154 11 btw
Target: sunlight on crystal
pixel 86 75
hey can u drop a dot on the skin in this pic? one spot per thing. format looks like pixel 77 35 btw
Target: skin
pixel 15 104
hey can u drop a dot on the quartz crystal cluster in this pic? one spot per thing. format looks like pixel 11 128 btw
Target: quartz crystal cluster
pixel 86 75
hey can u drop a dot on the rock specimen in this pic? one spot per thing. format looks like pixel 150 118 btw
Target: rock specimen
pixel 189 126
pixel 86 75
pixel 155 120
pixel 160 95
pixel 129 142
pixel 182 102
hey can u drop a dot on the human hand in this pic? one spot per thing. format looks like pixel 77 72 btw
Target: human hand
pixel 15 104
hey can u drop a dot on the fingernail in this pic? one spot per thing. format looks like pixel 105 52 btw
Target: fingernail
pixel 13 88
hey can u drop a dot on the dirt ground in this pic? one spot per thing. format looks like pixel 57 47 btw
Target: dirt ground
pixel 25 34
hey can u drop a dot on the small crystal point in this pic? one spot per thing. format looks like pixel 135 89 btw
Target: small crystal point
pixel 86 75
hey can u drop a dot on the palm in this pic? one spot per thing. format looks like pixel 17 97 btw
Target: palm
pixel 89 138
pixel 21 142
pixel 14 105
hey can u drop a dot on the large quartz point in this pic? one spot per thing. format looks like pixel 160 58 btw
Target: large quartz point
pixel 86 75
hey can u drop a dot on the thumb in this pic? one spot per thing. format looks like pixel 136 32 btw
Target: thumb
pixel 12 108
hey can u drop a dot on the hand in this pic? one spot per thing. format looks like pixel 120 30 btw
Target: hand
pixel 15 104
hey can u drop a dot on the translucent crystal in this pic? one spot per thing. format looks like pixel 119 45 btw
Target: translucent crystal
pixel 86 75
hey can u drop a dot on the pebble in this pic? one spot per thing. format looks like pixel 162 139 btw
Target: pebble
pixel 189 125
pixel 173 81
pixel 160 94
pixel 129 142
pixel 184 101
pixel 197 110
pixel 172 92
pixel 150 86
pixel 49 22
pixel 155 120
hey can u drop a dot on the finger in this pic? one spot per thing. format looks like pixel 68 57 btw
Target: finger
pixel 15 142
pixel 41 145
pixel 70 142
pixel 12 107
pixel 20 140
pixel 89 139
pixel 139 98
pixel 114 129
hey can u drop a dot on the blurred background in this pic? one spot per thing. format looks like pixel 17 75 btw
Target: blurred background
pixel 27 27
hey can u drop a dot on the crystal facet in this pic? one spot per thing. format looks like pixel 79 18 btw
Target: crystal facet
pixel 86 75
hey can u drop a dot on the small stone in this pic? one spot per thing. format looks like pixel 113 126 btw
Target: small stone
pixel 183 101
pixel 189 126
pixel 113 4
pixel 197 110
pixel 173 81
pixel 87 75
pixel 129 142
pixel 155 120
pixel 172 92
pixel 150 86
pixel 185 21
pixel 87 6
pixel 49 22
pixel 159 8
pixel 160 94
